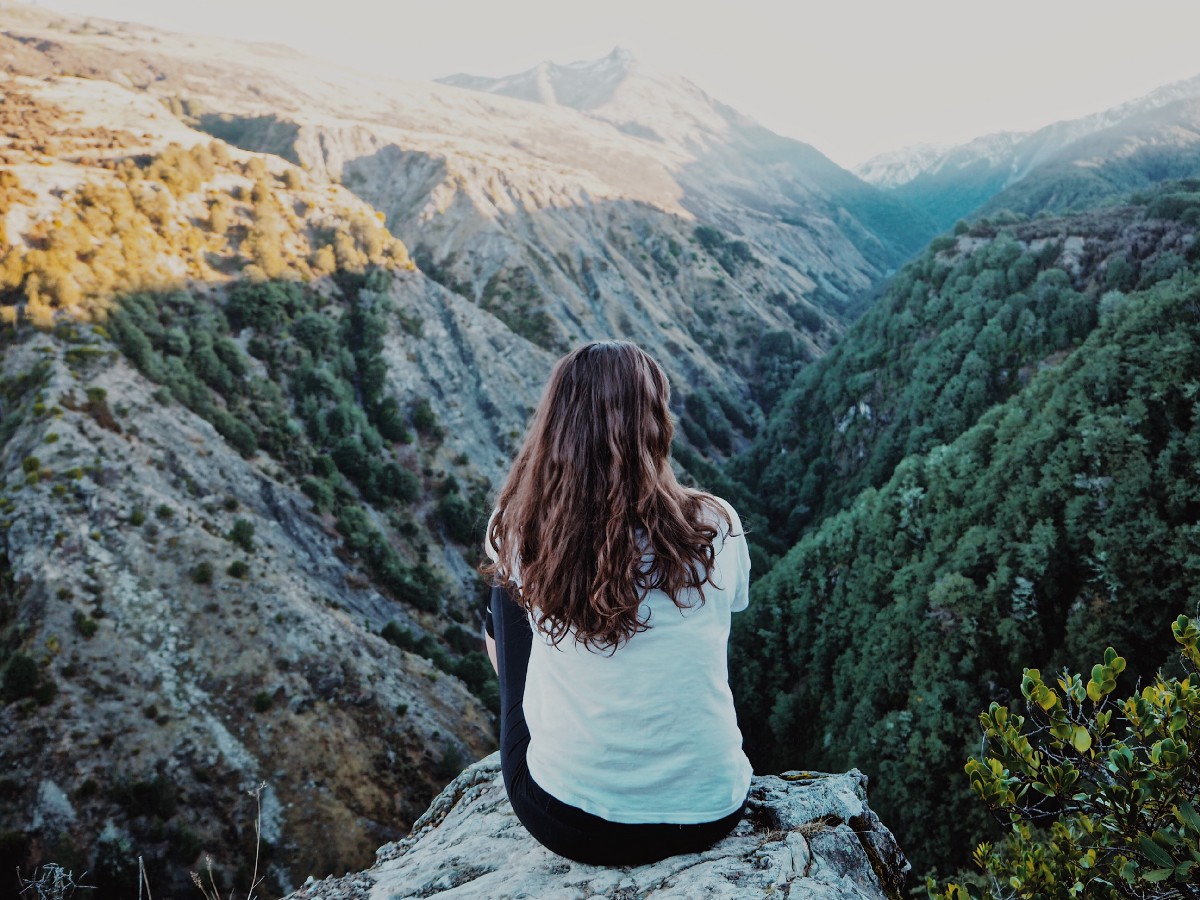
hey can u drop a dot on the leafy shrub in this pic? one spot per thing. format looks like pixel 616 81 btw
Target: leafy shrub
pixel 460 639
pixel 137 516
pixel 320 491
pixel 730 255
pixel 459 517
pixel 237 569
pixel 20 678
pixel 390 422
pixel 238 433
pixel 242 534
pixel 203 573
pixel 476 672
pixel 424 419
pixel 263 306
pixel 425 645
pixel 1119 779
pixel 155 796
pixel 84 624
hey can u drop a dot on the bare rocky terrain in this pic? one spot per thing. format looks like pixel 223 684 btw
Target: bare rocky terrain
pixel 805 835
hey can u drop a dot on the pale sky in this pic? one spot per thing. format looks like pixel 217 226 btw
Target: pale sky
pixel 852 78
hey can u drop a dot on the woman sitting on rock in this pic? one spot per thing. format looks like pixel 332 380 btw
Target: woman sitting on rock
pixel 609 628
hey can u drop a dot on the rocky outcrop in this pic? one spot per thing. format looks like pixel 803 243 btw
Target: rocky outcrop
pixel 805 834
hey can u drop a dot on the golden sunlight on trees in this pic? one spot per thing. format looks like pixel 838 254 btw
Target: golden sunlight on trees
pixel 145 223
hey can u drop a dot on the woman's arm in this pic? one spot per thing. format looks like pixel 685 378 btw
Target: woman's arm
pixel 490 643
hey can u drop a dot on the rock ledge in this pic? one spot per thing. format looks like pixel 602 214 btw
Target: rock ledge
pixel 805 834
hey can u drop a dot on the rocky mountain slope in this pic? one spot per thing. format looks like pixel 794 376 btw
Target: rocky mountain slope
pixel 805 834
pixel 235 547
pixel 655 213
pixel 1065 165
pixel 192 633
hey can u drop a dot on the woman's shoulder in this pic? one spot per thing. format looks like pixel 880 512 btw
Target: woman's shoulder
pixel 713 506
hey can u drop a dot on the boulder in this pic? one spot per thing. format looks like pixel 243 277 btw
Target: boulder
pixel 805 835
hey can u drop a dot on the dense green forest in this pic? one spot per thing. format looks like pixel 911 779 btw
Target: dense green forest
pixel 960 329
pixel 1023 492
pixel 1066 186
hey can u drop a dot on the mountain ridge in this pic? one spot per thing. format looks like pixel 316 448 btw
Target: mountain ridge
pixel 1017 170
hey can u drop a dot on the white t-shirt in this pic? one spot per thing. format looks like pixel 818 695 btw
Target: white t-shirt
pixel 648 733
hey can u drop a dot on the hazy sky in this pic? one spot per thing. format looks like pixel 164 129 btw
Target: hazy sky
pixel 852 78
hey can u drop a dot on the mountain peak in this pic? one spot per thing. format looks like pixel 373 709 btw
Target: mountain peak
pixel 620 56
pixel 583 84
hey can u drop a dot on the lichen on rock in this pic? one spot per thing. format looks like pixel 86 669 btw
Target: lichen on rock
pixel 805 834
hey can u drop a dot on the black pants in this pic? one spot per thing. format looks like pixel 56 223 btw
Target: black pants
pixel 565 829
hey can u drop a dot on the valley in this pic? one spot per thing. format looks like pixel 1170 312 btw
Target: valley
pixel 272 329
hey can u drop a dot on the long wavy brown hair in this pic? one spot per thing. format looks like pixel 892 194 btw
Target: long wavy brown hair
pixel 591 516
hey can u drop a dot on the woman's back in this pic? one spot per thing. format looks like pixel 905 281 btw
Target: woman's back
pixel 646 732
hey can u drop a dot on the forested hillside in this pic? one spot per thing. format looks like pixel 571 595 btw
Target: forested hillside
pixel 963 327
pixel 1013 433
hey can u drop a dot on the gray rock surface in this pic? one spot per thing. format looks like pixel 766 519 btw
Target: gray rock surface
pixel 805 835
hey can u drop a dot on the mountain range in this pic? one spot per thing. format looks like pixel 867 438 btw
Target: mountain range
pixel 272 330
pixel 1064 165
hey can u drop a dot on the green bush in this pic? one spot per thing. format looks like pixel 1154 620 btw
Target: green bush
pixel 203 573
pixel 459 518
pixel 137 516
pixel 237 569
pixel 1119 779
pixel 84 624
pixel 239 435
pixel 476 672
pixel 155 796
pixel 320 491
pixel 424 419
pixel 390 422
pixel 20 678
pixel 242 534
